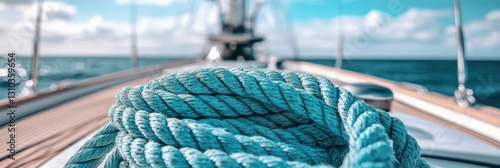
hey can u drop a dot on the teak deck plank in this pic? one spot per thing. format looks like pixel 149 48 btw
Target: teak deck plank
pixel 39 137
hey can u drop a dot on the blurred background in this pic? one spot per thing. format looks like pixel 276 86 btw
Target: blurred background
pixel 402 40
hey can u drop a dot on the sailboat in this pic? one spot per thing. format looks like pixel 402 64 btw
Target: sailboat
pixel 52 126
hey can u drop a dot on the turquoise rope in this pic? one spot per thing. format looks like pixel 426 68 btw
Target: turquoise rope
pixel 246 118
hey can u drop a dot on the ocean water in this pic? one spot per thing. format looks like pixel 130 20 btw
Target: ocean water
pixel 436 75
pixel 55 69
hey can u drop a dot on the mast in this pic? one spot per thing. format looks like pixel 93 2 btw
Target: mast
pixel 36 41
pixel 234 16
pixel 463 95
pixel 237 36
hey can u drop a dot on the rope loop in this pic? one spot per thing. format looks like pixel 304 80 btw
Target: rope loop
pixel 246 118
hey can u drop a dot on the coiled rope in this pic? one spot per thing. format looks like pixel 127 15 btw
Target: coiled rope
pixel 246 118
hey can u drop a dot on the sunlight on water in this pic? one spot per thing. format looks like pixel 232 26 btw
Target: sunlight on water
pixel 57 72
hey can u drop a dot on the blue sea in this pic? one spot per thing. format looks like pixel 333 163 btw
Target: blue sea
pixel 55 69
pixel 436 75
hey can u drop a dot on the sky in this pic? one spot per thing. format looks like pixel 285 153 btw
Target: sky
pixel 372 29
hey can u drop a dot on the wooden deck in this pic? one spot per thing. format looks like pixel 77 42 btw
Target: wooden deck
pixel 42 135
pixel 50 131
pixel 481 122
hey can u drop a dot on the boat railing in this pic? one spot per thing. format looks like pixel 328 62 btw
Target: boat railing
pixel 463 95
pixel 412 86
pixel 30 104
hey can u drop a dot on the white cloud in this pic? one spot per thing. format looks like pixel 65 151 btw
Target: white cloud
pixel 144 2
pixel 166 35
pixel 364 35
pixel 480 34
pixel 19 24
pixel 493 40
pixel 56 27
pixel 414 32
pixel 52 10
pixel 415 24
pixel 94 29
pixel 16 1
pixel 493 16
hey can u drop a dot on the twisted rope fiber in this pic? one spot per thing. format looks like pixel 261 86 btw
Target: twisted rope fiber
pixel 246 118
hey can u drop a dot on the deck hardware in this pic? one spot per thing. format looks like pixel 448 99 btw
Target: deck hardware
pixel 463 95
pixel 374 95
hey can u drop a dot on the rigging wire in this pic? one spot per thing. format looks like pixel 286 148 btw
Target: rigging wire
pixel 340 39
pixel 133 33
pixel 36 54
pixel 292 40
pixel 193 9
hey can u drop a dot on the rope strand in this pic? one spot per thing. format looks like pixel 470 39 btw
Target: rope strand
pixel 246 118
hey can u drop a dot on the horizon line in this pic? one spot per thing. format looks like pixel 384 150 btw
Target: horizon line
pixel 315 57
